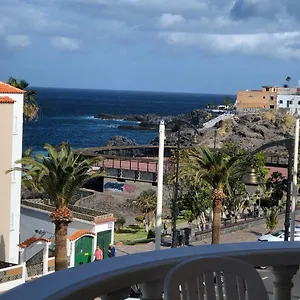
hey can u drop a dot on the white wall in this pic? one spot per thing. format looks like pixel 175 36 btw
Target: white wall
pixel 16 177
pixel 294 107
pixel 32 219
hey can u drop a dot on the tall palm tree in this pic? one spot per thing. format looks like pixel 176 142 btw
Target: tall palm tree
pixel 59 175
pixel 214 168
pixel 146 202
pixel 31 107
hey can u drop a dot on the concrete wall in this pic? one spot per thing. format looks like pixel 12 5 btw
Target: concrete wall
pixel 256 99
pixel 15 200
pixel 6 137
pixel 128 187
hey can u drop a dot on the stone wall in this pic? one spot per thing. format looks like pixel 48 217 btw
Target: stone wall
pixel 11 274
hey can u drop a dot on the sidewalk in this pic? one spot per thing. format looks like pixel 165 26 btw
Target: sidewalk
pixel 241 236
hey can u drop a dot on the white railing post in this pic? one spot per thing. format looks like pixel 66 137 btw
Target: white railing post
pixel 152 290
pixel 45 258
pixel 283 283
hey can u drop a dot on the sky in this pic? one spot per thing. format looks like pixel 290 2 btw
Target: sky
pixel 205 46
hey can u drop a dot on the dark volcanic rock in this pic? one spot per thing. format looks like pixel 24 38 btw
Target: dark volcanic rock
pixel 118 140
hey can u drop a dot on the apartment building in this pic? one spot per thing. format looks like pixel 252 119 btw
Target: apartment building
pixel 11 122
pixel 266 98
pixel 289 99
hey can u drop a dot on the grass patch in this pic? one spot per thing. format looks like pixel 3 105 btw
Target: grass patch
pixel 130 234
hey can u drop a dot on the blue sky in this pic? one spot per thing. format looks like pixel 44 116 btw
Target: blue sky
pixel 209 46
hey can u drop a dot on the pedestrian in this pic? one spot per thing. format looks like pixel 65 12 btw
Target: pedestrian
pixel 165 231
pixel 111 251
pixel 98 254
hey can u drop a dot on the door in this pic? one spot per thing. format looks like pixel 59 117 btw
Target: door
pixel 103 240
pixel 83 250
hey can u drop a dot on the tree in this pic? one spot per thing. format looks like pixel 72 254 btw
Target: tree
pixel 228 102
pixel 214 168
pixel 59 175
pixel 288 79
pixel 146 202
pixel 277 184
pixel 195 199
pixel 31 107
pixel 120 222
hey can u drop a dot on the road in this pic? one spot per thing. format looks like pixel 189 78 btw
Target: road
pixel 268 278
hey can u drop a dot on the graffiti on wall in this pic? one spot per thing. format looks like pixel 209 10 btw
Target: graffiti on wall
pixel 120 187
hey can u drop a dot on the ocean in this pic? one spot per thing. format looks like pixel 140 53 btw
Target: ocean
pixel 68 114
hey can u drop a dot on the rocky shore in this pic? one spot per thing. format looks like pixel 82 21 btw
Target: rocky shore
pixel 151 121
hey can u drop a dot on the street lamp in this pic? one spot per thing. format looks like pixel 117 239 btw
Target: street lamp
pixel 178 123
pixel 252 182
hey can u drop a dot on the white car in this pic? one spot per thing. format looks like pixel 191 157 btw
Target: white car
pixel 278 236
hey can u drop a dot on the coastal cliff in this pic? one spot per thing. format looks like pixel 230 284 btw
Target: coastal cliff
pixel 249 131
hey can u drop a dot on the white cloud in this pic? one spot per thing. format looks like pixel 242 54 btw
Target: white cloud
pixel 65 43
pixel 167 20
pixel 18 41
pixel 281 45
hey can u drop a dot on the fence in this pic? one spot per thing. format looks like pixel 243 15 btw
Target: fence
pixel 11 277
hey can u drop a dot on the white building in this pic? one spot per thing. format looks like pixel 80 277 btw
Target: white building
pixel 88 229
pixel 289 99
pixel 11 113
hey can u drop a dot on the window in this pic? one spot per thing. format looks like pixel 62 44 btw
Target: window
pixel 291 102
pixel 272 97
pixel 264 97
pixel 271 106
pixel 298 102
pixel 267 89
pixel 280 101
pixel 278 233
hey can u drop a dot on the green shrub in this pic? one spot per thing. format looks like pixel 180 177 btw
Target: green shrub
pixel 151 234
pixel 120 223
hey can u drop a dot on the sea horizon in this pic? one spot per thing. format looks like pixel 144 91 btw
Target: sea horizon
pixel 131 91
pixel 68 114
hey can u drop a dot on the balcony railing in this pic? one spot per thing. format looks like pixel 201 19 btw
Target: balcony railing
pixel 111 279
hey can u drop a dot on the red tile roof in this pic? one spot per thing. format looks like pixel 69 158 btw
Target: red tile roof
pixel 5 88
pixel 6 100
pixel 78 234
pixel 33 240
pixel 105 220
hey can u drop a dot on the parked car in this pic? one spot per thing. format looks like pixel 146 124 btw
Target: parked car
pixel 278 236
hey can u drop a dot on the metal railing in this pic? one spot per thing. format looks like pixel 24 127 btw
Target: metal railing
pixel 112 278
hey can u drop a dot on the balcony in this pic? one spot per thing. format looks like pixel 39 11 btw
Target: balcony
pixel 111 279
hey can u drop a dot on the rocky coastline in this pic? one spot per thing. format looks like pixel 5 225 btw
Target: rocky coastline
pixel 249 131
pixel 151 121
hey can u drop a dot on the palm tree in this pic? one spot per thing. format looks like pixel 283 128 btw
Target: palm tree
pixel 288 79
pixel 272 217
pixel 146 202
pixel 59 175
pixel 31 107
pixel 214 168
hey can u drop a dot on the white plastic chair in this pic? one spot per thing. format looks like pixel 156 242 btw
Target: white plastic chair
pixel 201 279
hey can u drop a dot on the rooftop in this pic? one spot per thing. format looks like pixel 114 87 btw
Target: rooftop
pixel 5 88
pixel 81 213
pixel 6 100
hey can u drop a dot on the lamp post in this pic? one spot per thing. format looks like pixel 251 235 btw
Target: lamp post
pixel 251 181
pixel 160 184
pixel 289 145
pixel 178 123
